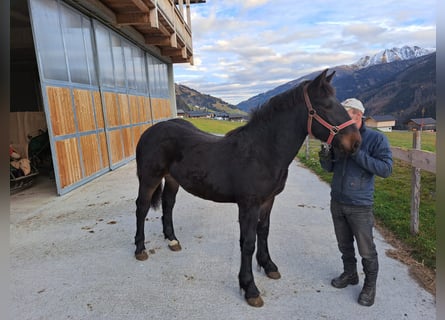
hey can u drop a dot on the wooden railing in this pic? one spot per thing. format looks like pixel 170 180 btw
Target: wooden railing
pixel 419 160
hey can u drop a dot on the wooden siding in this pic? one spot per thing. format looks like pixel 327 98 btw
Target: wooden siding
pixel 90 154
pixel 80 112
pixel 127 116
pixel 83 102
pixel 128 142
pixel 104 150
pixel 133 102
pixel 377 124
pixel 68 161
pixel 99 111
pixel 144 109
pixel 87 151
pixel 123 107
pixel 111 109
pixel 115 146
pixel 161 108
pixel 61 111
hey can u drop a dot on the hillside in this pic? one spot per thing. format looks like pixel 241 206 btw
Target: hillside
pixel 189 99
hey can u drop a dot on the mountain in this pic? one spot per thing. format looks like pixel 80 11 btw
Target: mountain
pixel 391 55
pixel 189 99
pixel 409 93
pixel 404 88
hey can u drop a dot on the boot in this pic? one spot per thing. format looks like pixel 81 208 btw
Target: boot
pixel 367 295
pixel 345 279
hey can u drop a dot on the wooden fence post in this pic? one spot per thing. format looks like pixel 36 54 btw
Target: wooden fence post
pixel 415 188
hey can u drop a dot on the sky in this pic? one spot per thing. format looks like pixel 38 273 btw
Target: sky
pixel 244 48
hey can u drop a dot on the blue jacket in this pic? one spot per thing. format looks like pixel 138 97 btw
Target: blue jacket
pixel 353 180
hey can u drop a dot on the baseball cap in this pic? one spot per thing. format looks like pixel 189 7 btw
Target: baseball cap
pixel 353 103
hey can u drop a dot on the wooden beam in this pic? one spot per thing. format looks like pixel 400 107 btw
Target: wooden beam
pixel 99 9
pixel 417 158
pixel 157 40
pixel 173 41
pixel 141 5
pixel 181 52
pixel 154 19
pixel 132 18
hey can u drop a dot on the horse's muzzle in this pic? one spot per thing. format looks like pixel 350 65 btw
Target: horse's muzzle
pixel 350 143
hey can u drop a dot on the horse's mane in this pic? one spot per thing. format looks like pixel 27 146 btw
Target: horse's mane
pixel 281 102
pixel 264 112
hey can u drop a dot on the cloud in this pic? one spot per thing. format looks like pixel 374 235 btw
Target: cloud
pixel 245 48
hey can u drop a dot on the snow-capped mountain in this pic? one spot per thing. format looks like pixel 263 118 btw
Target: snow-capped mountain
pixel 391 55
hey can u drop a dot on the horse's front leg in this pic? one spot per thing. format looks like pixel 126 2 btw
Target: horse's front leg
pixel 262 255
pixel 248 219
pixel 168 201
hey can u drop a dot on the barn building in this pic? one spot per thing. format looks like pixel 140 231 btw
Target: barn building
pixel 383 123
pixel 95 74
pixel 422 124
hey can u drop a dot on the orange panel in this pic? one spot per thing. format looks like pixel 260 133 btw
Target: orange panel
pixel 84 110
pixel 68 161
pixel 99 112
pixel 60 107
pixel 148 107
pixel 155 106
pixel 90 154
pixel 145 127
pixel 116 146
pixel 144 109
pixel 168 113
pixel 128 142
pixel 123 107
pixel 111 109
pixel 141 108
pixel 164 108
pixel 136 135
pixel 134 108
pixel 104 150
pixel 161 108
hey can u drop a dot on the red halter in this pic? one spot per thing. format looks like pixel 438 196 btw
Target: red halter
pixel 313 114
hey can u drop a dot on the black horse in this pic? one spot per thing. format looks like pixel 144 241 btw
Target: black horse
pixel 248 166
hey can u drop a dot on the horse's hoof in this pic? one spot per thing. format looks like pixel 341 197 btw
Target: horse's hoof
pixel 142 256
pixel 255 302
pixel 174 245
pixel 274 275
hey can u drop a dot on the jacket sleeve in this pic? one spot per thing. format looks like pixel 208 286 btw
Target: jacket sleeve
pixel 377 159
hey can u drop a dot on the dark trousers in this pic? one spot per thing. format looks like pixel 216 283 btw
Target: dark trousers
pixel 356 222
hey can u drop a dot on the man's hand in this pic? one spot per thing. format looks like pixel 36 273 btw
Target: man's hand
pixel 325 152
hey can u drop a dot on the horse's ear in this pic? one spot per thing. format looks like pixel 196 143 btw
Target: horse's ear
pixel 329 77
pixel 319 80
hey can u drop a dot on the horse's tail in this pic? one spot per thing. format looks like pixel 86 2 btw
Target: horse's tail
pixel 156 197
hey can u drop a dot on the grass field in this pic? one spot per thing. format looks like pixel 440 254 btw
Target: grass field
pixel 215 126
pixel 392 195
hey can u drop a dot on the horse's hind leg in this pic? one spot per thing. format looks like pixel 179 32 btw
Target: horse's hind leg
pixel 168 201
pixel 142 206
pixel 262 255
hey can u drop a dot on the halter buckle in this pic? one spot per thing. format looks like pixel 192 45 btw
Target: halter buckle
pixel 335 130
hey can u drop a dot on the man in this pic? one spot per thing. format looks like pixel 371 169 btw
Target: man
pixel 352 198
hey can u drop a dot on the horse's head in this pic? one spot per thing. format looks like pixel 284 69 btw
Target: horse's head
pixel 328 120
